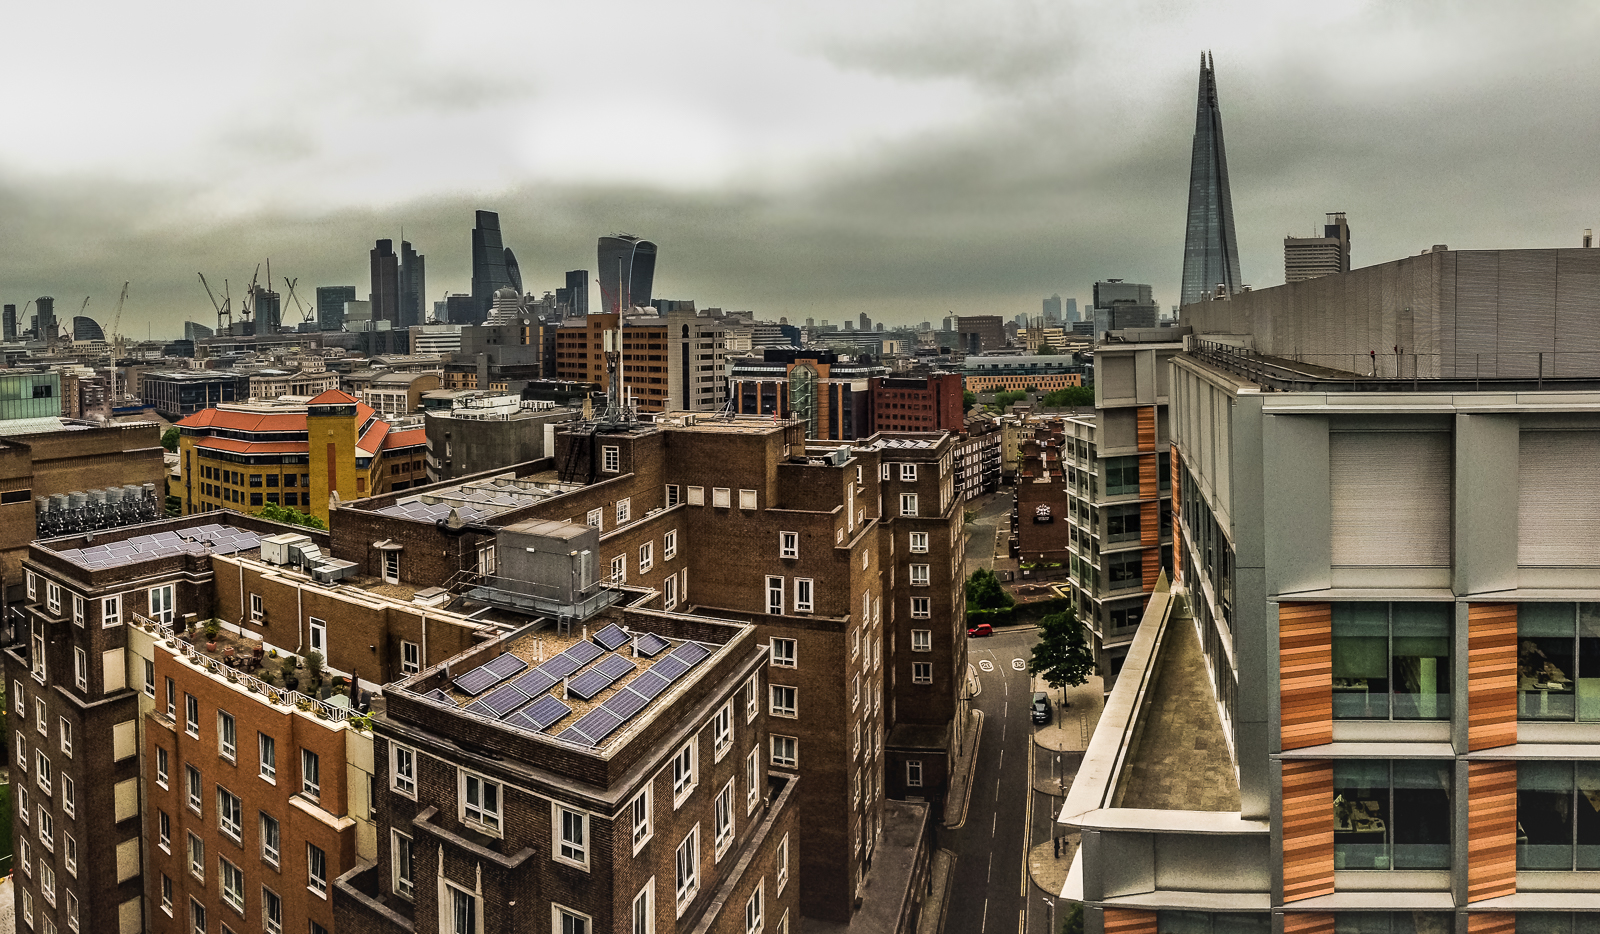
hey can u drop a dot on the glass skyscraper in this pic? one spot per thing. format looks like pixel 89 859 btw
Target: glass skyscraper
pixel 627 272
pixel 488 263
pixel 1210 253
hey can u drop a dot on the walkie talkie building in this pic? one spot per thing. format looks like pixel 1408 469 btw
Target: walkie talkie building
pixel 627 272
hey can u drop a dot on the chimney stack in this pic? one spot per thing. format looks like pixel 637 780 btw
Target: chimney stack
pixel 1588 238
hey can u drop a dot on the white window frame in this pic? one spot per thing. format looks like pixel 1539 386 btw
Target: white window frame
pixel 669 591
pixel 271 921
pixel 696 496
pixel 785 700
pixel 685 772
pixel 235 898
pixel 271 843
pixel 227 736
pixel 317 882
pixel 804 589
pixel 908 504
pixel 80 667
pixel 754 917
pixel 596 519
pixel 560 913
pixel 52 597
pixel 686 865
pixel 922 672
pixel 921 574
pixel 77 610
pixel 752 780
pixel 752 697
pixel 785 751
pixel 781 862
pixel 913 773
pixel 619 568
pixel 569 848
pixel 721 497
pixel 33 586
pixel 784 653
pixel 921 608
pixel 162 602
pixel 319 629
pixel 163 766
pixel 919 543
pixel 669 545
pixel 481 816
pixel 610 458
pixel 647 557
pixel 672 495
pixel 410 657
pixel 194 789
pixel 642 819
pixel 110 611
pixel 908 472
pixel 164 830
pixel 258 608
pixel 747 499
pixel 788 544
pixel 403 770
pixel 774 596
pixel 402 871
pixel 488 560
pixel 230 820
pixel 886 471
pixel 70 853
pixel 722 731
pixel 391 566
pixel 69 795
pixel 624 510
pixel 311 774
pixel 42 771
pixel 197 856
pixel 642 918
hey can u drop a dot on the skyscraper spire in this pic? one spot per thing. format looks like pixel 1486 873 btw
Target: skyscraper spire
pixel 1210 254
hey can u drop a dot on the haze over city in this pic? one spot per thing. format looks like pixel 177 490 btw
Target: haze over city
pixel 906 160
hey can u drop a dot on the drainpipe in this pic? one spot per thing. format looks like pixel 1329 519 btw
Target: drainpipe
pixel 240 565
pixel 299 618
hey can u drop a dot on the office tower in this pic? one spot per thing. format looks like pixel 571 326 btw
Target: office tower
pixel 385 295
pixel 1327 255
pixel 461 309
pixel 195 331
pixel 85 328
pixel 513 271
pixel 578 287
pixel 10 324
pixel 981 333
pixel 1119 305
pixel 413 287
pixel 1071 312
pixel 44 321
pixel 330 305
pixel 268 310
pixel 627 272
pixel 866 322
pixel 488 264
pixel 1210 255
pixel 1052 311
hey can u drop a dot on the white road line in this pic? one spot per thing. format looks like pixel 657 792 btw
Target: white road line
pixel 983 925
pixel 994 826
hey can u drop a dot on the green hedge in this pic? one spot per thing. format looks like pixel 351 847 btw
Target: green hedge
pixel 997 617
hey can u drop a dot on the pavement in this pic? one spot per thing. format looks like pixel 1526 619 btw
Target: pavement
pixel 8 907
pixel 1064 740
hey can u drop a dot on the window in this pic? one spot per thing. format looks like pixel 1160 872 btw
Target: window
pixel 752 697
pixel 683 772
pixel 52 597
pixel 172 700
pixel 1558 661
pixel 783 653
pixel 69 796
pixel 919 543
pixel 488 565
pixel 227 736
pixel 783 700
pixel 788 544
pixel 71 852
pixel 1392 661
pixel 669 591
pixel 775 596
pixel 47 827
pixel 110 612
pixel 463 912
pixel 688 867
pixel 647 557
pixel 920 609
pixel 747 499
pixel 72 911
pixel 572 835
pixel 596 518
pixel 752 779
pixel 232 885
pixel 721 497
pixel 785 751
pixel 267 754
pixel 1557 828
pixel 624 510
pixel 271 911
pixel 782 861
pixel 752 910
pixel 480 802
pixel 641 818
pixel 391 567
pixel 400 856
pixel 610 458
pixel 230 813
pixel 161 608
pixel 1124 569
pixel 258 608
pixel 77 609
pixel 33 585
pixel 672 495
pixel 192 777
pixel 36 658
pixel 697 495
pixel 197 857
pixel 908 504
pixel 921 673
pixel 161 766
pixel 1121 475
pixel 65 727
pixel 919 575
pixel 316 870
pixel 166 893
pixel 163 830
pixel 149 677
pixel 19 698
pixel 191 715
pixel 803 589
pixel 669 545
pixel 41 772
pixel 1123 523
pixel 1391 814
pixel 410 658
pixel 403 769
pixel 722 730
pixel 310 774
pixel 644 910
pixel 566 921
pixel 619 569
pixel 41 716
pixel 270 838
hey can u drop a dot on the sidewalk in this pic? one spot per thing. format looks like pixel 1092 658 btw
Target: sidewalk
pixel 1049 871
pixel 931 921
pixel 1067 734
pixel 955 802
pixel 8 908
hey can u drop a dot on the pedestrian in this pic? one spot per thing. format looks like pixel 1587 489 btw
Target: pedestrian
pixel 1057 842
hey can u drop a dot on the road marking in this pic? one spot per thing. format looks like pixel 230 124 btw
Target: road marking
pixel 994 825
pixel 1022 921
pixel 983 924
pixel 985 664
pixel 1027 833
pixel 1002 762
pixel 997 790
pixel 1018 664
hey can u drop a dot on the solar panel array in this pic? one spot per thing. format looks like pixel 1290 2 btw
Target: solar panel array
pixel 418 511
pixel 489 674
pixel 602 721
pixel 540 714
pixel 599 677
pixel 200 540
pixel 650 644
pixel 612 637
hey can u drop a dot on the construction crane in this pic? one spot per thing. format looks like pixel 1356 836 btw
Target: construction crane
pixel 248 309
pixel 224 310
pixel 307 315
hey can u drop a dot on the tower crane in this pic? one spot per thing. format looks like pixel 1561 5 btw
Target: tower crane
pixel 306 314
pixel 116 346
pixel 224 310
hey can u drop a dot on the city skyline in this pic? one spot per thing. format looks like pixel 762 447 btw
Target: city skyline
pixel 854 189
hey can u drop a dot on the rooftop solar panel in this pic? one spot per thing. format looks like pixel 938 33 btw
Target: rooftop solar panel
pixel 625 703
pixel 588 684
pixel 615 666
pixel 611 637
pixel 585 652
pixel 489 674
pixel 650 644
pixel 597 724
pixel 504 699
pixel 571 735
pixel 670 668
pixel 439 695
pixel 481 709
pixel 559 666
pixel 543 712
pixel 535 682
pixel 692 652
pixel 649 685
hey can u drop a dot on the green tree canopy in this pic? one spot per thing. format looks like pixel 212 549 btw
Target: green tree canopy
pixel 1062 656
pixel 1070 396
pixel 968 400
pixel 169 439
pixel 1046 350
pixel 985 593
pixel 291 516
pixel 1009 397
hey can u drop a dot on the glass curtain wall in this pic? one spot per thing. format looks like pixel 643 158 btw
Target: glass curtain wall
pixel 1391 661
pixel 1391 814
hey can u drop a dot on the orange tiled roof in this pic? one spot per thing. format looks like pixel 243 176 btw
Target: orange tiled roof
pixel 245 421
pixel 406 438
pixel 253 447
pixel 333 397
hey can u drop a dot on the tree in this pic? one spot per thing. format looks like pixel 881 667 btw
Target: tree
pixel 169 439
pixel 1046 350
pixel 1009 397
pixel 1073 922
pixel 1062 655
pixel 291 516
pixel 985 593
pixel 1070 396
pixel 968 400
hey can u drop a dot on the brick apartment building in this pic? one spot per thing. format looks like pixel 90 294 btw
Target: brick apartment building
pixel 669 362
pixel 925 403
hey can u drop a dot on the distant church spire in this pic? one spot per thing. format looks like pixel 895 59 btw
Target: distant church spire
pixel 1210 253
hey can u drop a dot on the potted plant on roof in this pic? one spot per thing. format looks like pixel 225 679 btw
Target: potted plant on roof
pixel 314 668
pixel 291 674
pixel 213 626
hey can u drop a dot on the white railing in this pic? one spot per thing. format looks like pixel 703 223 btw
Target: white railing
pixel 272 692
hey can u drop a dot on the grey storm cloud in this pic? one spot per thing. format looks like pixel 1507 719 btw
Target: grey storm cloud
pixel 972 158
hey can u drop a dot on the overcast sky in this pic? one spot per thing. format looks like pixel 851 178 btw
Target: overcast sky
pixel 820 159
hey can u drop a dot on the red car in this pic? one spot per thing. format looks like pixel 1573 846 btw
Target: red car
pixel 982 629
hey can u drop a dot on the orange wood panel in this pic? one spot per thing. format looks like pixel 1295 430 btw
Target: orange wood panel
pixel 1147 428
pixel 1177 512
pixel 1492 832
pixel 1150 524
pixel 1310 922
pixel 1149 477
pixel 1149 568
pixel 1128 921
pixel 1305 674
pixel 1307 829
pixel 1491 675
pixel 1492 922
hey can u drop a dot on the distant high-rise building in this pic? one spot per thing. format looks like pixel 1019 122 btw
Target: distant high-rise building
pixel 44 320
pixel 385 295
pixel 268 310
pixel 1119 305
pixel 488 265
pixel 195 331
pixel 1052 311
pixel 866 322
pixel 330 305
pixel 85 328
pixel 1071 312
pixel 513 271
pixel 627 272
pixel 578 292
pixel 413 287
pixel 1311 257
pixel 460 309
pixel 1210 254
pixel 10 324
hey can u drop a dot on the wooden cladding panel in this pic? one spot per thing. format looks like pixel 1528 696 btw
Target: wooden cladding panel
pixel 1147 429
pixel 1177 512
pixel 1310 922
pixel 1305 672
pixel 1492 922
pixel 1492 832
pixel 1491 675
pixel 1307 829
pixel 1128 921
pixel 1149 477
pixel 1149 569
pixel 1150 541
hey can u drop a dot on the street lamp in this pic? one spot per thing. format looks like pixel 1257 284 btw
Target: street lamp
pixel 1052 903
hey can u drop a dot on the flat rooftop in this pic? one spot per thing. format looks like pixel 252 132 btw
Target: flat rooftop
pixel 477 500
pixel 211 538
pixel 1282 374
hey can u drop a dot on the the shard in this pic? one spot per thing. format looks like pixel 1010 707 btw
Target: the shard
pixel 1210 253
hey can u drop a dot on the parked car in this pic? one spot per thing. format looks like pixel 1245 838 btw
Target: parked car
pixel 1041 707
pixel 982 629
